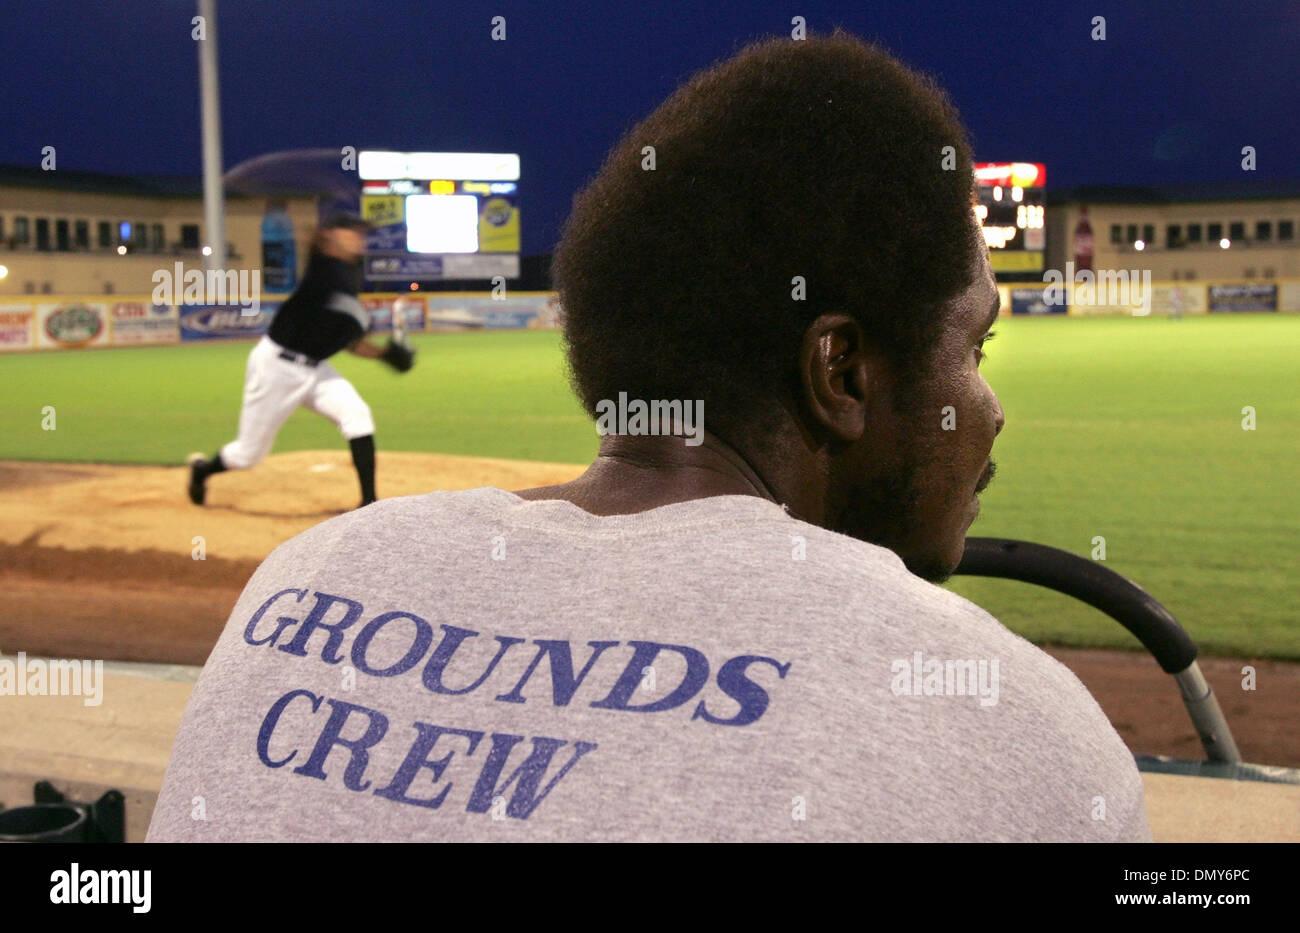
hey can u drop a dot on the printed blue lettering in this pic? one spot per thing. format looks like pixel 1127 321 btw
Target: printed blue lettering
pixel 697 674
pixel 446 649
pixel 752 698
pixel 418 757
pixel 273 719
pixel 315 620
pixel 563 683
pixel 529 774
pixel 280 623
pixel 331 735
pixel 419 645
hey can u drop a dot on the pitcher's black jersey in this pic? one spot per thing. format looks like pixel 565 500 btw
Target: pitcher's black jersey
pixel 323 315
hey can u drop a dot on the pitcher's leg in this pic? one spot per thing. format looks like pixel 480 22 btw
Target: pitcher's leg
pixel 363 460
pixel 273 388
pixel 337 399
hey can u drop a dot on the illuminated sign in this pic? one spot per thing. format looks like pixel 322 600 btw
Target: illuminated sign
pixel 1011 174
pixel 1011 211
pixel 456 166
pixel 440 214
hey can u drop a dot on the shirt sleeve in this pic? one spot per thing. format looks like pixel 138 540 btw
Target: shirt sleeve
pixel 350 307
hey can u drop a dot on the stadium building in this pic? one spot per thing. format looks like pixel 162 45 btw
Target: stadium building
pixel 88 233
pixel 1228 231
pixel 85 233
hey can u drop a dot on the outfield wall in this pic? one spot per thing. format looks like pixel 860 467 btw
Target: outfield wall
pixel 1138 299
pixel 49 322
pixel 55 322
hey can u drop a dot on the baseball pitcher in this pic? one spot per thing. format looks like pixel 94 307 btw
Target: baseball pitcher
pixel 288 367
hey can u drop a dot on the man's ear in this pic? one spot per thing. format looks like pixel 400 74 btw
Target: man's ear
pixel 838 372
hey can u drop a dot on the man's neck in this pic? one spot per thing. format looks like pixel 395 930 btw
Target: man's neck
pixel 638 473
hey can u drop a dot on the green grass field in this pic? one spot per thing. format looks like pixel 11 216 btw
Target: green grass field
pixel 1128 429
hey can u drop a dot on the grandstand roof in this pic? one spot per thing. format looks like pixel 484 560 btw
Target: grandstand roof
pixel 149 186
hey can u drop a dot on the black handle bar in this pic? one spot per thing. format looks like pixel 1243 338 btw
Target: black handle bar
pixel 1089 582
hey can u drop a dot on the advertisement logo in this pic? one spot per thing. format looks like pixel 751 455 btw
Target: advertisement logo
pixel 225 321
pixel 74 324
pixel 497 212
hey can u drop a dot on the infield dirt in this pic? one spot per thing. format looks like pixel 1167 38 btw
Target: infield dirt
pixel 97 561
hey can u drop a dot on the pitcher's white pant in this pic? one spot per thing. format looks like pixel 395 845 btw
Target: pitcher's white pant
pixel 274 387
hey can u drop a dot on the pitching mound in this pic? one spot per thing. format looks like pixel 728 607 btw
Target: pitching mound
pixel 99 561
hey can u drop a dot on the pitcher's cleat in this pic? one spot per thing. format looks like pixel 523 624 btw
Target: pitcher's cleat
pixel 197 488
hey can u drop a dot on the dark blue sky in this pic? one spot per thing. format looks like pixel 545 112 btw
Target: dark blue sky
pixel 1172 95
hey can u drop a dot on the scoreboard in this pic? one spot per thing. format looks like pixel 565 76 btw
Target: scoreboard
pixel 1010 208
pixel 440 215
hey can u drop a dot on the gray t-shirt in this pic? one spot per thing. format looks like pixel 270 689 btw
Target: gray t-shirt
pixel 474 666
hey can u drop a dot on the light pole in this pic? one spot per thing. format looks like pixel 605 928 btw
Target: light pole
pixel 214 206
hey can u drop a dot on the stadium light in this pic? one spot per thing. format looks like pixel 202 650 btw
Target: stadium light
pixel 1224 243
pixel 4 272
pixel 214 198
pixel 207 251
pixel 1139 245
pixel 121 250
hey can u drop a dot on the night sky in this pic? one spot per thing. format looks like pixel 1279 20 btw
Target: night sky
pixel 1172 95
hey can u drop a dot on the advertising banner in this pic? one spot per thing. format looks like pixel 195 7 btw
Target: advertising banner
pixel 380 309
pixel 1244 297
pixel 1289 297
pixel 1034 301
pixel 143 322
pixel 477 312
pixel 404 267
pixel 1174 300
pixel 1094 301
pixel 72 324
pixel 216 322
pixel 17 327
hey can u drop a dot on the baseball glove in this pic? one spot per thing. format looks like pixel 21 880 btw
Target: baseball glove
pixel 399 356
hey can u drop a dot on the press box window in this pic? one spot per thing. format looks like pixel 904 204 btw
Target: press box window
pixel 22 232
pixel 105 234
pixel 1285 229
pixel 1173 236
pixel 1237 230
pixel 1214 232
pixel 1264 230
pixel 1116 234
pixel 1193 233
pixel 81 234
pixel 1148 234
pixel 1132 233
pixel 189 236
